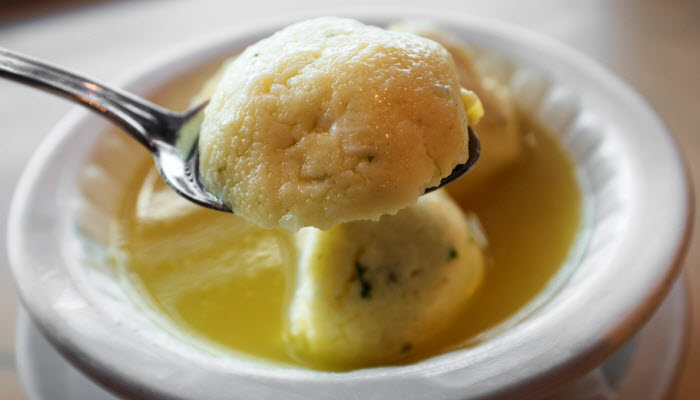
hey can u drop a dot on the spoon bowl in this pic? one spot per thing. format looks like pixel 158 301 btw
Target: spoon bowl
pixel 160 130
pixel 170 136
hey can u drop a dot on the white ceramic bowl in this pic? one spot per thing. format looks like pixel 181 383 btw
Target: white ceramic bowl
pixel 636 229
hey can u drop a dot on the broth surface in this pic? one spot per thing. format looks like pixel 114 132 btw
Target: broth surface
pixel 226 283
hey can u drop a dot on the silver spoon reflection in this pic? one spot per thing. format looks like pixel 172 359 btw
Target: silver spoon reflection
pixel 170 136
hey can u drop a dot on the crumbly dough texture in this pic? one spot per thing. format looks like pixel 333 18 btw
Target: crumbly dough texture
pixel 371 293
pixel 498 130
pixel 330 120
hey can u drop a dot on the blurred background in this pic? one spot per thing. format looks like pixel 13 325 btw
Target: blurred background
pixel 653 45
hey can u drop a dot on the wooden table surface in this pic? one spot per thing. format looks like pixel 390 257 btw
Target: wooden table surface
pixel 653 45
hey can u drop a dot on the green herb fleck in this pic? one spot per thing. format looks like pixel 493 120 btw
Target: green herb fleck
pixel 366 287
pixel 406 347
pixel 366 292
pixel 256 54
pixel 361 269
pixel 452 254
pixel 370 158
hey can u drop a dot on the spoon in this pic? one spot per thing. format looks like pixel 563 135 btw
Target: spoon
pixel 170 136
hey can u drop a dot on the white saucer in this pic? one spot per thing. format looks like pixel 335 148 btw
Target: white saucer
pixel 656 351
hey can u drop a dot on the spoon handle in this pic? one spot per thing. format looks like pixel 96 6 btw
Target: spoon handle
pixel 145 121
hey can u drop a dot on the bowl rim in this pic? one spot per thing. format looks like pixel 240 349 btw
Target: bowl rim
pixel 568 354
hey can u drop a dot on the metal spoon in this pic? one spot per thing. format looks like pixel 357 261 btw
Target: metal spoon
pixel 170 136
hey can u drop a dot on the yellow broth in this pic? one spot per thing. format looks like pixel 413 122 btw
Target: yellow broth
pixel 226 283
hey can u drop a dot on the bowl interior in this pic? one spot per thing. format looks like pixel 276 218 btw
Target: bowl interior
pixel 636 215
